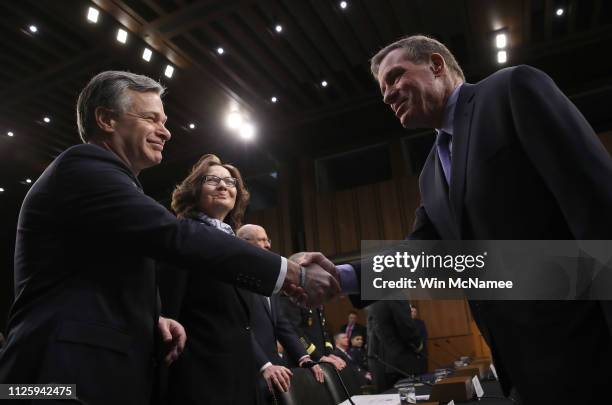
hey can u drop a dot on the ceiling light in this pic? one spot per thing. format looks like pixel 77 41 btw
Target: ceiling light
pixel 502 57
pixel 501 40
pixel 559 12
pixel 274 99
pixel 47 120
pixel 343 4
pixel 146 54
pixel 324 83
pixel 220 50
pixel 247 131
pixel 33 28
pixel 278 28
pixel 122 35
pixel 234 120
pixel 92 15
pixel 1 190
pixel 192 126
pixel 10 133
pixel 169 71
pixel 28 181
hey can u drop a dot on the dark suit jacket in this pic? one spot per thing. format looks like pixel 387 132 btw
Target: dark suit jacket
pixel 217 319
pixel 86 308
pixel 527 165
pixel 270 326
pixel 394 337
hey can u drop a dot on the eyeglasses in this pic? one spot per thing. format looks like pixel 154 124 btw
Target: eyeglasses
pixel 230 182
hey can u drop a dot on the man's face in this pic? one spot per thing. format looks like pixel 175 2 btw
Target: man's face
pixel 139 133
pixel 357 341
pixel 413 313
pixel 412 91
pixel 259 237
pixel 342 341
pixel 352 318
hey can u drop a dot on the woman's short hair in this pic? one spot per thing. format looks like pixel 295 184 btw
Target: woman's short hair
pixel 186 196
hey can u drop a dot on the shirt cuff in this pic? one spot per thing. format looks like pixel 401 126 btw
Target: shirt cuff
pixel 281 276
pixel 265 366
pixel 348 279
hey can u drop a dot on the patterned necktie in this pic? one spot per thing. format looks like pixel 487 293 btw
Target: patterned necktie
pixel 443 145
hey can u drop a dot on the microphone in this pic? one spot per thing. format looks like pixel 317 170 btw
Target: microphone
pixel 391 366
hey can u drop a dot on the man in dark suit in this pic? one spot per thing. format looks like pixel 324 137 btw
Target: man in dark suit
pixel 86 306
pixel 269 325
pixel 353 327
pixel 422 328
pixel 341 341
pixel 514 159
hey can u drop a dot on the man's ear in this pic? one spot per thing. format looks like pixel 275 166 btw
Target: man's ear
pixel 437 64
pixel 105 119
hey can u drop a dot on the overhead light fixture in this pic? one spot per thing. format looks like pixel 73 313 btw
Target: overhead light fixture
pixel 169 71
pixel 343 5
pixel 324 83
pixel 247 131
pixel 146 54
pixel 559 12
pixel 122 35
pixel 274 99
pixel 233 120
pixel 33 28
pixel 10 133
pixel 278 28
pixel 501 41
pixel 92 15
pixel 220 51
pixel 47 120
pixel 502 57
pixel 29 181
pixel 1 190
pixel 192 126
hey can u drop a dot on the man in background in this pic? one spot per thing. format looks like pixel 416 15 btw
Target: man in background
pixel 353 327
pixel 422 328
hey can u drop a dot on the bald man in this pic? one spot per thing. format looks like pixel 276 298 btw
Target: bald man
pixel 269 324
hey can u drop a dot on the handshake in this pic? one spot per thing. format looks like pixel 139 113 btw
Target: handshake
pixel 311 279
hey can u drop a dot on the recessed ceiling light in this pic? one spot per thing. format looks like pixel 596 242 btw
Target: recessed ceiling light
pixel 169 71
pixel 247 131
pixel 47 120
pixel 10 133
pixel 559 12
pixel 192 126
pixel 92 15
pixel 343 5
pixel 33 28
pixel 324 83
pixel 274 99
pixel 233 120
pixel 502 57
pixel 1 190
pixel 28 181
pixel 146 54
pixel 278 28
pixel 220 50
pixel 122 35
pixel 501 40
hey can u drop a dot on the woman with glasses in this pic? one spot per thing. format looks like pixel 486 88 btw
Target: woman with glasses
pixel 216 366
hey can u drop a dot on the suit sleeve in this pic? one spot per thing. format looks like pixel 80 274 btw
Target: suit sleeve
pixel 99 195
pixel 260 355
pixel 172 283
pixel 565 151
pixel 423 228
pixel 287 335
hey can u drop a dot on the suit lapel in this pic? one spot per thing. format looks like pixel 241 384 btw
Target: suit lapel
pixel 461 141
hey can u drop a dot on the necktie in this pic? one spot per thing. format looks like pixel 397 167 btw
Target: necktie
pixel 349 330
pixel 443 145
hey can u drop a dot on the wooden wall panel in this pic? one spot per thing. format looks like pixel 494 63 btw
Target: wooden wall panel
pixel 390 210
pixel 368 213
pixel 606 139
pixel 346 232
pixel 325 238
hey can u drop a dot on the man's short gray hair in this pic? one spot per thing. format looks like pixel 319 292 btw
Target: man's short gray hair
pixel 108 90
pixel 418 49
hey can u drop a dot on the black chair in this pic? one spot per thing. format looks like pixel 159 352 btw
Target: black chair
pixel 339 382
pixel 304 390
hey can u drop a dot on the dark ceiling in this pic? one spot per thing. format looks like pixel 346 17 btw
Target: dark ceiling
pixel 41 73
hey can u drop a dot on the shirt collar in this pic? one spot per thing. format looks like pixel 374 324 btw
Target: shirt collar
pixel 449 112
